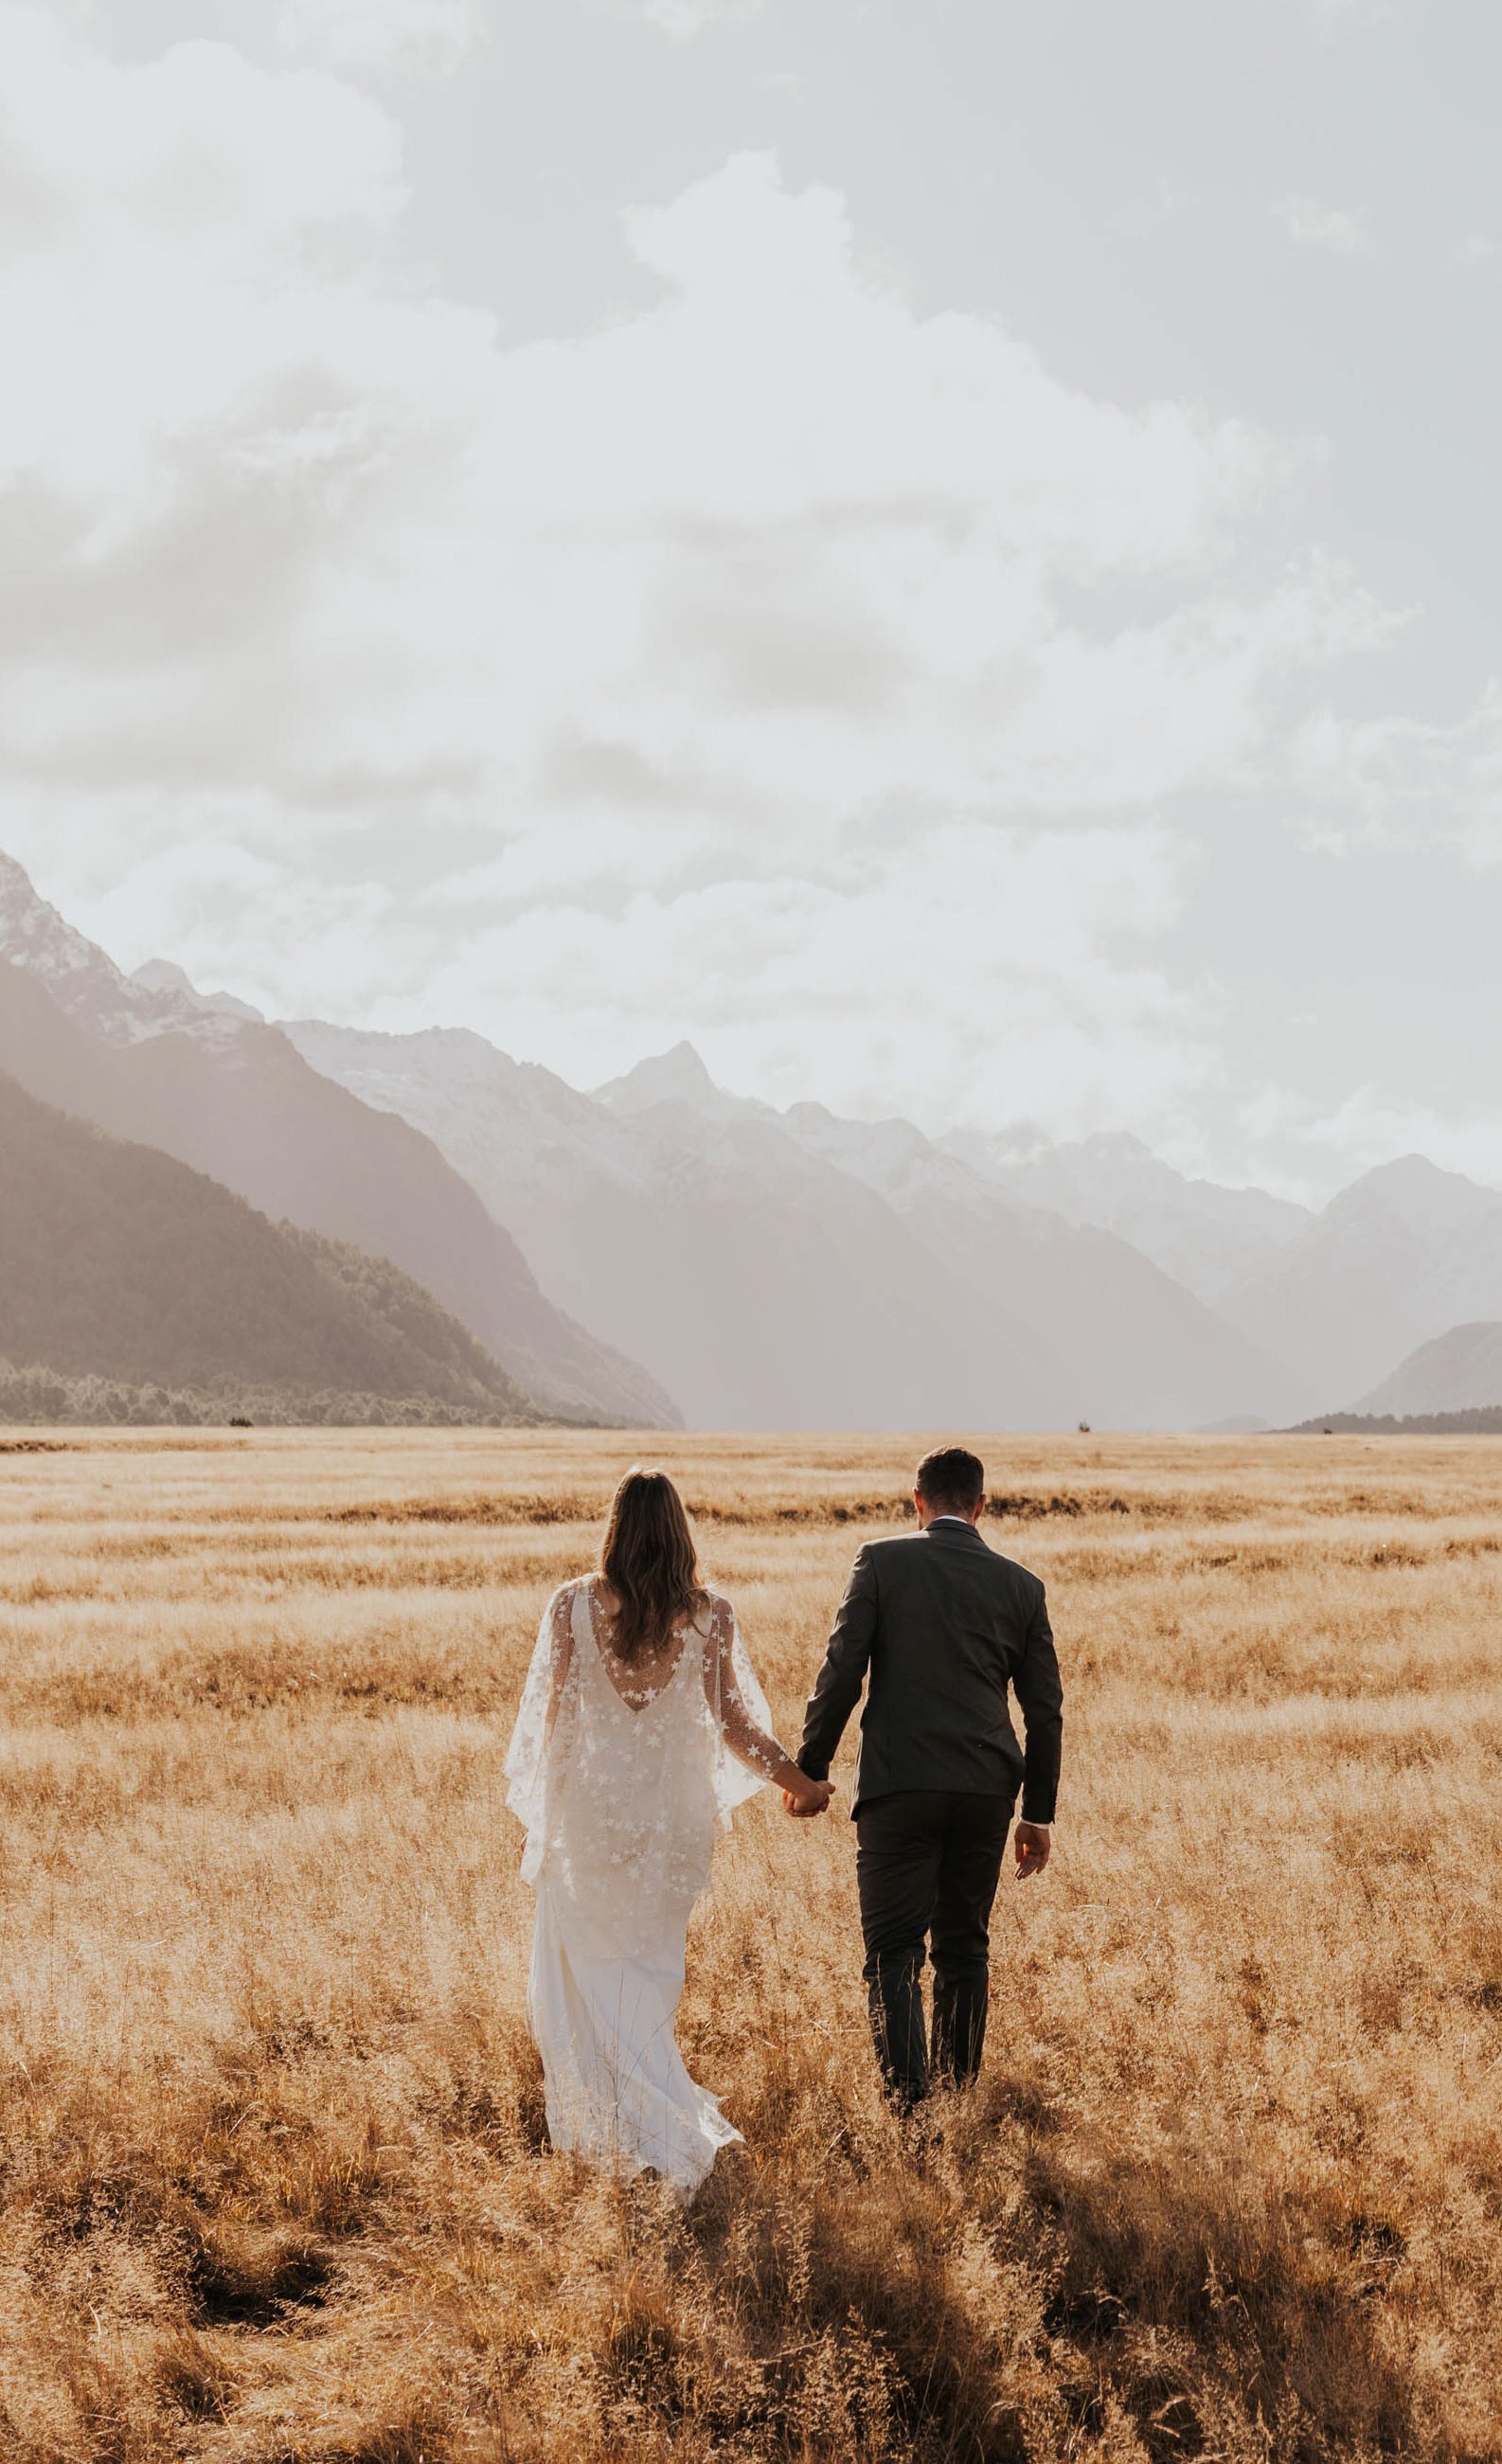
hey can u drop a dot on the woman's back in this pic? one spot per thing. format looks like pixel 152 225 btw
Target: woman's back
pixel 641 1723
pixel 633 1809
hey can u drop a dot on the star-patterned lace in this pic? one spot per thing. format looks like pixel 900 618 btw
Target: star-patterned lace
pixel 619 1768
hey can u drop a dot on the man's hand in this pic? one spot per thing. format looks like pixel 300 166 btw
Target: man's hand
pixel 1030 1845
pixel 805 1797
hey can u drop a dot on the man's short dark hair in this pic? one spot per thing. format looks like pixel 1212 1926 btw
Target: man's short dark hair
pixel 951 1479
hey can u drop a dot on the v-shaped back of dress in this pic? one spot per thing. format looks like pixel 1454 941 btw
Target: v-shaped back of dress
pixel 595 1643
pixel 619 1795
pixel 634 1809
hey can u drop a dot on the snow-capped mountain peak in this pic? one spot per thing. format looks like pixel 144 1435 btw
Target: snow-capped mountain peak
pixel 82 979
pixel 33 935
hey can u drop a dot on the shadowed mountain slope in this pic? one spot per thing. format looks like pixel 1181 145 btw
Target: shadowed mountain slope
pixel 1460 1371
pixel 118 1261
pixel 233 1098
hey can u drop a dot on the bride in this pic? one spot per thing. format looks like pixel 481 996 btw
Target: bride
pixel 641 1722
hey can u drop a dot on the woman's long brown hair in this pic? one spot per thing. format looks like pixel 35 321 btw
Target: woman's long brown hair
pixel 648 1559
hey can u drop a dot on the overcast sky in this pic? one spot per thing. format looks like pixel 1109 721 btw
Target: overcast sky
pixel 950 550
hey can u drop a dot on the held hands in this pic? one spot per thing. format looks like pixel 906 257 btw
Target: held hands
pixel 803 1797
pixel 1030 1845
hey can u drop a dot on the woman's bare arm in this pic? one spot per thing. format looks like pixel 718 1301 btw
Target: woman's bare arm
pixel 750 1744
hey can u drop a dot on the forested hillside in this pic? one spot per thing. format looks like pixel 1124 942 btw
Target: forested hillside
pixel 117 1263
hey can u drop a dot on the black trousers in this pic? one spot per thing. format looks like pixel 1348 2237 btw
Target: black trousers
pixel 927 1866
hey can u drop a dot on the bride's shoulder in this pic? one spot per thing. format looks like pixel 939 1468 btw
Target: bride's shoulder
pixel 717 1612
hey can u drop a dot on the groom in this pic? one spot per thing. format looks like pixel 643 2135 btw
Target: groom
pixel 942 1623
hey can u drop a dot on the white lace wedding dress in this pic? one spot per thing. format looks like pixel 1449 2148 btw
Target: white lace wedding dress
pixel 620 1782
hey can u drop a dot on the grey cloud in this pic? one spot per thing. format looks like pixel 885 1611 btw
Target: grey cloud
pixel 203 595
pixel 586 769
pixel 785 658
pixel 771 623
pixel 234 519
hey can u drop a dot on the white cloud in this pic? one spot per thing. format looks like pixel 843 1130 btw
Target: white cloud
pixel 1477 248
pixel 1334 229
pixel 395 37
pixel 682 20
pixel 1405 781
pixel 775 664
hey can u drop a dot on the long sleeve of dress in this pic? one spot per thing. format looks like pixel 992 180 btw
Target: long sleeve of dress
pixel 749 1753
pixel 546 1700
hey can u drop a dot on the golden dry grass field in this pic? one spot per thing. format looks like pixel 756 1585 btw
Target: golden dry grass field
pixel 275 2185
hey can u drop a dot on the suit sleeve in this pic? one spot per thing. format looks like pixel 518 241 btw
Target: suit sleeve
pixel 837 1686
pixel 1035 1683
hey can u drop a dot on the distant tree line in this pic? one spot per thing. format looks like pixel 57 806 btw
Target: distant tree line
pixel 44 1397
pixel 1480 1420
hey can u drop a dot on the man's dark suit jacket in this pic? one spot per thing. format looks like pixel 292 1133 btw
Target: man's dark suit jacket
pixel 943 1624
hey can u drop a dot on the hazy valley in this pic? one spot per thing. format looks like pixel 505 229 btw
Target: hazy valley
pixel 660 1250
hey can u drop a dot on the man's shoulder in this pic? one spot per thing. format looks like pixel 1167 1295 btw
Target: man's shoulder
pixel 890 1549
pixel 1012 1580
pixel 1021 1576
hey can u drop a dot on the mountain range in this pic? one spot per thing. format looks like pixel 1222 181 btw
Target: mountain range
pixel 661 1247
pixel 1401 1256
pixel 231 1096
pixel 792 1270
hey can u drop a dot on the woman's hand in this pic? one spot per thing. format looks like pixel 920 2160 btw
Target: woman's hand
pixel 803 1797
